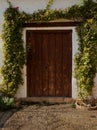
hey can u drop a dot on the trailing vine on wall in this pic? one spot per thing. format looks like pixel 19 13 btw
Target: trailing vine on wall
pixel 14 52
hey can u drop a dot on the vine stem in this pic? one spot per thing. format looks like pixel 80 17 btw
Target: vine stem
pixel 49 4
pixel 8 1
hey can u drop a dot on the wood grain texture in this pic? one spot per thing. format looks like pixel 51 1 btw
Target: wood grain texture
pixel 49 63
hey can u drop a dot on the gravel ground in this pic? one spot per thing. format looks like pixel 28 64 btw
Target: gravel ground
pixel 52 117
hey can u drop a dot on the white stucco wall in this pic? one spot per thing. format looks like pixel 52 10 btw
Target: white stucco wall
pixel 30 6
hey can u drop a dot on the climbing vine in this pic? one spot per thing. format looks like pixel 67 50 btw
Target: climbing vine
pixel 86 58
pixel 14 52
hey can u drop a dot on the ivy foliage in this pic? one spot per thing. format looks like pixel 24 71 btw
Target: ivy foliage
pixel 14 54
pixel 85 59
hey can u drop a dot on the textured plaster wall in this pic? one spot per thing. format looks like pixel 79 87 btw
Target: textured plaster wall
pixel 30 6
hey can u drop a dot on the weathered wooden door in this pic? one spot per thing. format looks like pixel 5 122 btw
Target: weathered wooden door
pixel 49 63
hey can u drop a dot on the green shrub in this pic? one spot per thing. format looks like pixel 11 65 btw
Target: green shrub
pixel 7 103
pixel 73 105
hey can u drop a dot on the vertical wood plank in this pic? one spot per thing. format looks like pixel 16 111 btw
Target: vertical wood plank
pixel 30 66
pixel 69 49
pixel 45 64
pixel 59 65
pixel 38 64
pixel 67 64
pixel 51 49
pixel 28 63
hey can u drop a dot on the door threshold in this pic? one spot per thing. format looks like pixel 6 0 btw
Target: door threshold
pixel 48 99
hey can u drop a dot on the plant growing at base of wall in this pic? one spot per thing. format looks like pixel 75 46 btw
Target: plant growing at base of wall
pixel 7 103
pixel 85 59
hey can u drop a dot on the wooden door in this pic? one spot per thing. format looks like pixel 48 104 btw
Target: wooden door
pixel 49 63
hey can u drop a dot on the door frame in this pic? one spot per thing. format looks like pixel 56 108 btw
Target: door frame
pixel 22 92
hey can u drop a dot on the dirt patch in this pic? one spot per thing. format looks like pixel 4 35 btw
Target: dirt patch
pixel 52 117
